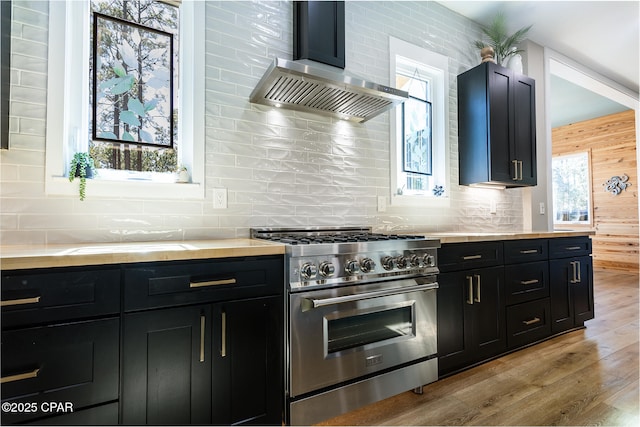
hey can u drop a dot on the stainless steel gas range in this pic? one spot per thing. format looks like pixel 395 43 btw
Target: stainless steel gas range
pixel 361 310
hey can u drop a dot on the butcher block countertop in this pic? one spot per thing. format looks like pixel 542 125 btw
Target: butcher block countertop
pixel 44 256
pixel 81 254
pixel 462 237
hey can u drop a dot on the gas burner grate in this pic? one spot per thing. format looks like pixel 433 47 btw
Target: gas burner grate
pixel 320 238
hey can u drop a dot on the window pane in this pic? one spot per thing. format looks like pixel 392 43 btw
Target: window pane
pixel 417 136
pixel 571 194
pixel 134 126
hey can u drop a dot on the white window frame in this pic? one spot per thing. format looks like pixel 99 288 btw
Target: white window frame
pixel 68 106
pixel 438 75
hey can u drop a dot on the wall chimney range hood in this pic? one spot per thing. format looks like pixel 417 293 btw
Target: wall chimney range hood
pixel 316 81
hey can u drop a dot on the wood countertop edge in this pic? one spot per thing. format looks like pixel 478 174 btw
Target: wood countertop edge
pixel 463 237
pixel 19 258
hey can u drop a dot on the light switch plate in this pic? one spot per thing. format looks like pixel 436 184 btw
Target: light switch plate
pixel 382 204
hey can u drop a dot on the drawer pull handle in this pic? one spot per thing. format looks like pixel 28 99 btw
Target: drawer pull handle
pixel 573 248
pixel 20 301
pixel 202 335
pixel 223 344
pixel 529 282
pixel 20 377
pixel 529 251
pixel 470 257
pixel 212 283
pixel 532 321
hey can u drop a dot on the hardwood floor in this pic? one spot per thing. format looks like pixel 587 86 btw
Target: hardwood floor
pixel 585 377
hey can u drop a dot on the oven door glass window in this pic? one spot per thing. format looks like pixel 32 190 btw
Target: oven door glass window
pixel 358 330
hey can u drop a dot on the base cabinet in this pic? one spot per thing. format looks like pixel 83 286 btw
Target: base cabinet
pixel 471 318
pixel 496 296
pixel 205 364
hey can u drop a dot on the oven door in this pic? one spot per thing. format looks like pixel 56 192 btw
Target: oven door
pixel 341 334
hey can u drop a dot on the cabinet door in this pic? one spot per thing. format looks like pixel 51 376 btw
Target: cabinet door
pixel 560 271
pixel 490 335
pixel 248 362
pixel 167 367
pixel 454 323
pixel 524 116
pixel 501 124
pixel 582 292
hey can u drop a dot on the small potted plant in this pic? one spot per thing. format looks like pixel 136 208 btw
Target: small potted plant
pixel 503 44
pixel 82 167
pixel 182 174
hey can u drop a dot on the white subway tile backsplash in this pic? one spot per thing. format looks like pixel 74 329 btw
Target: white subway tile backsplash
pixel 280 167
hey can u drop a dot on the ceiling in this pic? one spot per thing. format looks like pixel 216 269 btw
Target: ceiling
pixel 601 35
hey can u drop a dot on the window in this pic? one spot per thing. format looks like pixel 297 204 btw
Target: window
pixel 127 91
pixel 419 149
pixel 571 189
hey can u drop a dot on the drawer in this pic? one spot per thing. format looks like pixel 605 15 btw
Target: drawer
pixel 527 250
pixel 72 362
pixel 526 282
pixel 103 415
pixel 465 256
pixel 528 322
pixel 156 285
pixel 566 247
pixel 32 297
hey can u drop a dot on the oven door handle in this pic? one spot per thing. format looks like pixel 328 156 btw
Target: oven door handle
pixel 309 303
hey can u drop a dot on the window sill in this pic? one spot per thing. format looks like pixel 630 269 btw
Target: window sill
pixel 137 189
pixel 420 201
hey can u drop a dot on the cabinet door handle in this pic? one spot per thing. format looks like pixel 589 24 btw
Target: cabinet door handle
pixel 202 334
pixel 575 272
pixel 529 282
pixel 20 301
pixel 477 298
pixel 515 169
pixel 470 294
pixel 212 283
pixel 521 175
pixel 578 278
pixel 529 251
pixel 223 339
pixel 532 321
pixel 20 377
pixel 470 257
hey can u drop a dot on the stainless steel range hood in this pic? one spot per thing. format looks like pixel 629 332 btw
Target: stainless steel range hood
pixel 311 86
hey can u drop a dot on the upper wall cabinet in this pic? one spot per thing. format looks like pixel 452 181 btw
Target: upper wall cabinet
pixel 496 127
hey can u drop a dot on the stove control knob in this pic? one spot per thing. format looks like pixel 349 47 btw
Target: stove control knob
pixel 352 266
pixel 327 269
pixel 308 271
pixel 429 260
pixel 401 262
pixel 414 260
pixel 388 262
pixel 367 265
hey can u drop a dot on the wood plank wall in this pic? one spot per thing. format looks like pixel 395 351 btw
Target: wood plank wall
pixel 611 142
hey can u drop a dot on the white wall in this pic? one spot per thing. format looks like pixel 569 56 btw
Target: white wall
pixel 280 168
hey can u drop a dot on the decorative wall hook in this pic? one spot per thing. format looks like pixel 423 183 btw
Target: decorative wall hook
pixel 616 184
